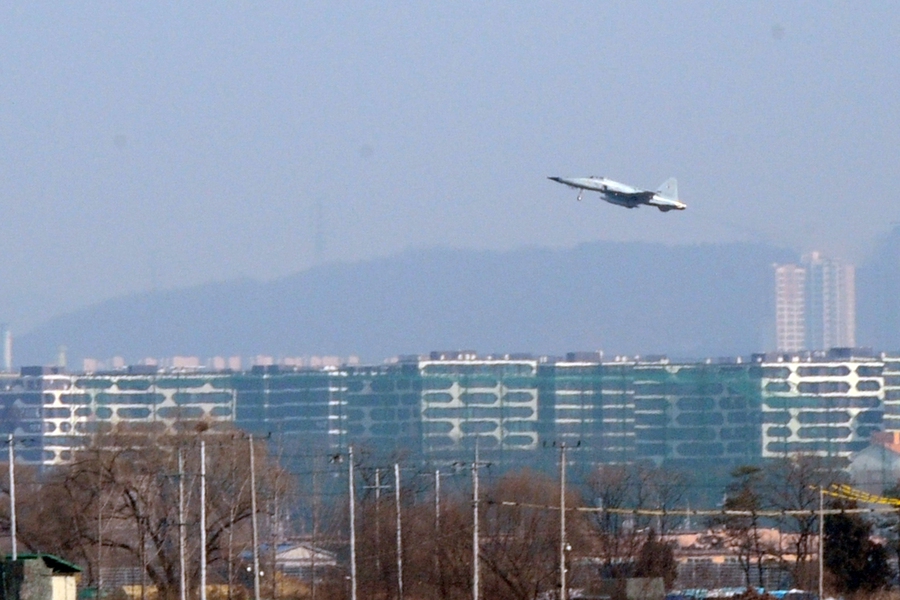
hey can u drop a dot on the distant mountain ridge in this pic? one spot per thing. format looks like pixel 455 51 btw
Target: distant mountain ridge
pixel 622 298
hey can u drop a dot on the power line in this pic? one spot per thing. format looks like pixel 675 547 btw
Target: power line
pixel 690 512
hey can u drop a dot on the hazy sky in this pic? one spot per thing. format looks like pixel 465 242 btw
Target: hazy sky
pixel 169 143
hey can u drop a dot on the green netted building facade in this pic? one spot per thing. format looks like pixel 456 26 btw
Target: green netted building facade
pixel 437 408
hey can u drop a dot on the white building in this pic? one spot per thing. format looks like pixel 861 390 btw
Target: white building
pixel 493 400
pixel 830 303
pixel 891 375
pixel 827 406
pixel 790 305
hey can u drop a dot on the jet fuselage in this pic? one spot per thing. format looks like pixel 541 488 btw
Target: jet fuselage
pixel 665 198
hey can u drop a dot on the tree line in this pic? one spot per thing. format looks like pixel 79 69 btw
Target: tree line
pixel 132 500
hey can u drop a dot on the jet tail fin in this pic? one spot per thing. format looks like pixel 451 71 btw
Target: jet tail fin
pixel 669 189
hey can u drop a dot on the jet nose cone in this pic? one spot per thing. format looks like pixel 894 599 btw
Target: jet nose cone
pixel 556 179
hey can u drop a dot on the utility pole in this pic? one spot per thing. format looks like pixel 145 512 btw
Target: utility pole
pixel 275 532
pixel 821 542
pixel 202 519
pixel 377 523
pixel 100 526
pixel 563 594
pixel 437 500
pixel 352 532
pixel 12 497
pixel 476 538
pixel 182 576
pixel 399 533
pixel 254 523
pixel 437 513
pixel 437 529
pixel 315 527
pixel 143 563
pixel 377 487
pixel 476 587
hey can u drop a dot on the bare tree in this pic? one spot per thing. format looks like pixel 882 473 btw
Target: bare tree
pixel 521 540
pixel 612 488
pixel 53 515
pixel 745 494
pixel 668 490
pixel 437 556
pixel 793 484
pixel 122 494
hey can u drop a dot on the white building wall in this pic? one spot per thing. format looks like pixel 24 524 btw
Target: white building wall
pixel 493 400
pixel 891 376
pixel 73 407
pixel 826 408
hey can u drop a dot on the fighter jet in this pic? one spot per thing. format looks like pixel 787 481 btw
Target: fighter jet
pixel 665 198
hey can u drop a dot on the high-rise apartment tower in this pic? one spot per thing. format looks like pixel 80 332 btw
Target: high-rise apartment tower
pixel 830 303
pixel 790 305
pixel 815 304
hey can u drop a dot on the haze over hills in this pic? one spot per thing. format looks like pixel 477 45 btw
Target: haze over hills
pixel 878 295
pixel 622 298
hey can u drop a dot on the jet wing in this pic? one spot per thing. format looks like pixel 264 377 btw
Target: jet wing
pixel 641 197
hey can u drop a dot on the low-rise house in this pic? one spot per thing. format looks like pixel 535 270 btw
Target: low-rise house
pixel 38 577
